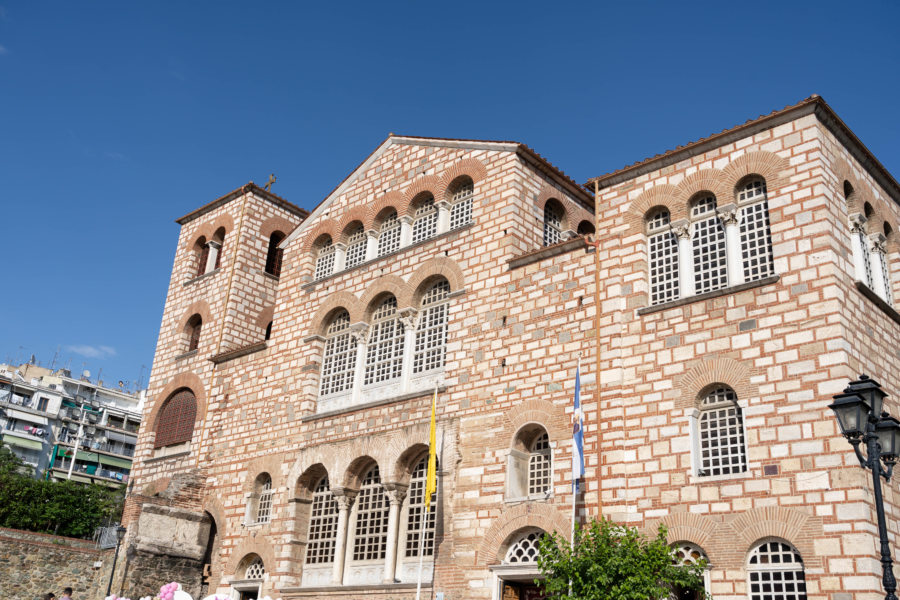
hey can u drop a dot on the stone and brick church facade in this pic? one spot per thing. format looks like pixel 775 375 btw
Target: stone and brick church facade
pixel 742 281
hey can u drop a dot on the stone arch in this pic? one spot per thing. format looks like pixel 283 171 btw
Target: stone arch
pixel 386 284
pixel 357 213
pixel 198 307
pixel 439 266
pixel 216 510
pixel 705 180
pixel 401 470
pixel 182 380
pixel 209 228
pixel 698 378
pixel 537 515
pixel 537 412
pixel 767 165
pixel 325 227
pixel 430 184
pixel 334 301
pixel 265 316
pixel 273 224
pixel 306 483
pixel 687 527
pixel 326 456
pixel 258 545
pixel 663 195
pixel 271 464
pixel 472 168
pixel 791 525
pixel 389 200
pixel 356 471
pixel 570 210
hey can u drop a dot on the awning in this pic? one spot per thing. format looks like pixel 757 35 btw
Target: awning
pixel 112 461
pixel 13 440
pixel 24 416
pixel 120 437
pixel 89 456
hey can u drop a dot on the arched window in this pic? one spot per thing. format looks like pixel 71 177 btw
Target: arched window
pixel 264 499
pixel 431 336
pixel 525 549
pixel 461 203
pixel 756 237
pixel 219 238
pixel 776 572
pixel 195 323
pixel 370 536
pixel 690 554
pixel 425 220
pixel 322 525
pixel 356 247
pixel 417 512
pixel 586 228
pixel 384 353
pixel 389 236
pixel 274 254
pixel 255 569
pixel 540 470
pixel 722 447
pixel 176 419
pixel 340 356
pixel 553 216
pixel 662 251
pixel 529 469
pixel 268 331
pixel 325 260
pixel 201 251
pixel 710 260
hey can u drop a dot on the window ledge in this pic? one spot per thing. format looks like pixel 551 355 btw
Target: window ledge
pixel 548 252
pixel 529 499
pixel 162 457
pixel 696 479
pixel 382 402
pixel 238 352
pixel 749 285
pixel 869 293
pixel 199 277
pixel 271 276
pixel 187 354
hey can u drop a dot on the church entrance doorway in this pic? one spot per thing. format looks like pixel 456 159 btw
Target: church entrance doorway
pixel 516 590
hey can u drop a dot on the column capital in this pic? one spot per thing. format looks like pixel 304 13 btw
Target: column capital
pixel 214 244
pixel 409 318
pixel 340 246
pixel 405 219
pixel 857 223
pixel 344 497
pixel 681 228
pixel 395 491
pixel 729 214
pixel 878 241
pixel 372 233
pixel 359 332
pixel 442 204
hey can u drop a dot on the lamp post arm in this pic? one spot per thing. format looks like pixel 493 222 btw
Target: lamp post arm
pixel 863 461
pixel 887 569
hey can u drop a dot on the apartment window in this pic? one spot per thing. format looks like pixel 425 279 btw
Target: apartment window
pixel 325 260
pixel 461 204
pixel 418 515
pixel 756 237
pixel 540 471
pixel 356 248
pixel 322 525
pixel 425 220
pixel 389 236
pixel 722 447
pixel 553 215
pixel 776 572
pixel 384 354
pixel 176 419
pixel 275 254
pixel 42 403
pixel 340 355
pixel 662 250
pixel 370 536
pixel 710 259
pixel 264 499
pixel 431 336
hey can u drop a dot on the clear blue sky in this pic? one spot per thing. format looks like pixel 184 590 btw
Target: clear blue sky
pixel 118 117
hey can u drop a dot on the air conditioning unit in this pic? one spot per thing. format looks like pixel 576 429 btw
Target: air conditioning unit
pixel 91 430
pixel 93 418
pixel 74 413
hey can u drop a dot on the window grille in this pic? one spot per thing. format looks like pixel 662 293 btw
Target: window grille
pixel 325 261
pixel 710 262
pixel 194 341
pixel 255 570
pixel 461 207
pixel 663 253
pixel 425 221
pixel 525 550
pixel 867 261
pixel 540 472
pixel 753 190
pixel 389 238
pixel 687 553
pixel 370 538
pixel 203 258
pixel 776 573
pixel 756 236
pixel 356 248
pixel 339 361
pixel 417 510
pixel 322 526
pixel 176 419
pixel 552 224
pixel 886 274
pixel 384 353
pixel 722 449
pixel 431 337
pixel 264 503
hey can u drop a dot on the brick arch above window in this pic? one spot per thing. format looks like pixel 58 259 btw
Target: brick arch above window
pixel 659 196
pixel 756 525
pixel 705 180
pixel 265 317
pixel 199 307
pixel 273 224
pixel 686 527
pixel 569 211
pixel 327 227
pixel 535 411
pixel 332 304
pixel 515 519
pixel 429 271
pixel 208 229
pixel 357 470
pixel 706 373
pixel 264 465
pixel 182 380
pixel 426 184
pixel 306 483
pixel 176 420
pixel 242 555
pixel 768 165
pixel 358 216
pixel 382 207
pixel 386 284
pixel 472 168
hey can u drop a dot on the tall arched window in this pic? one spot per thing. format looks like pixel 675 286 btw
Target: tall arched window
pixel 389 236
pixel 425 220
pixel 338 363
pixel 176 419
pixel 722 449
pixel 775 571
pixel 662 251
pixel 885 264
pixel 325 260
pixel 540 470
pixel 356 247
pixel 529 469
pixel 322 525
pixel 219 238
pixel 461 203
pixel 274 254
pixel 384 353
pixel 201 251
pixel 417 512
pixel 264 494
pixel 756 237
pixel 710 259
pixel 431 336
pixel 195 323
pixel 553 216
pixel 370 536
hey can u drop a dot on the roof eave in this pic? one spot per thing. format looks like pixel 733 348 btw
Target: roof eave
pixel 244 189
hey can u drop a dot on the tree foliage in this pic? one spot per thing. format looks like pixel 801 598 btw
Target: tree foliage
pixel 614 562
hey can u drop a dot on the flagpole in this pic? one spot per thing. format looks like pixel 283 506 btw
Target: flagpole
pixel 430 488
pixel 421 552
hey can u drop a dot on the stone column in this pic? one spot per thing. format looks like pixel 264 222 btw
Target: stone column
pixel 359 333
pixel 340 257
pixel 859 246
pixel 371 244
pixel 405 230
pixel 881 285
pixel 682 230
pixel 409 318
pixel 395 492
pixel 734 257
pixel 443 218
pixel 213 256
pixel 344 499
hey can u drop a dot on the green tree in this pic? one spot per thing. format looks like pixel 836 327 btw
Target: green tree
pixel 9 462
pixel 614 562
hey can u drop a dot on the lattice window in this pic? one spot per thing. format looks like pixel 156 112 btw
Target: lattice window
pixel 389 238
pixel 176 419
pixel 710 261
pixel 425 221
pixel 417 510
pixel 255 570
pixel 525 550
pixel 663 253
pixel 461 207
pixel 756 236
pixel 322 526
pixel 275 254
pixel 867 261
pixel 552 224
pixel 356 248
pixel 384 353
pixel 776 573
pixel 264 502
pixel 370 538
pixel 431 336
pixel 722 448
pixel 540 470
pixel 325 260
pixel 339 361
pixel 886 274
pixel 194 341
pixel 687 553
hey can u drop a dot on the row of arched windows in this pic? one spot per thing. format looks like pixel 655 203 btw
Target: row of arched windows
pixel 208 253
pixel 870 255
pixel 553 224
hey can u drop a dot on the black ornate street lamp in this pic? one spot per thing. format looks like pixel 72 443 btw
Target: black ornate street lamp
pixel 120 535
pixel 861 418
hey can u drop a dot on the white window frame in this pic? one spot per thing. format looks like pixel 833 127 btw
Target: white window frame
pixel 356 248
pixel 710 249
pixel 431 333
pixel 425 222
pixel 384 351
pixel 321 539
pixel 706 408
pixel 552 223
pixel 761 568
pixel 389 234
pixel 540 466
pixel 415 513
pixel 757 260
pixel 264 503
pixel 338 357
pixel 325 259
pixel 371 507
pixel 461 205
pixel 662 259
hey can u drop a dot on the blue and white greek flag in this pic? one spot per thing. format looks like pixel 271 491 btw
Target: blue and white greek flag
pixel 578 433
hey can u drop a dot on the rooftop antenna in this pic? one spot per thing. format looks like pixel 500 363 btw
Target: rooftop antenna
pixel 55 356
pixel 272 179
pixel 141 379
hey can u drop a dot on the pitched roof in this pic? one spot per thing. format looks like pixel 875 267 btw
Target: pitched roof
pixel 249 187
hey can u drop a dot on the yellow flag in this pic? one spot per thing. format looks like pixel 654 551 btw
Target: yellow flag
pixel 431 478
